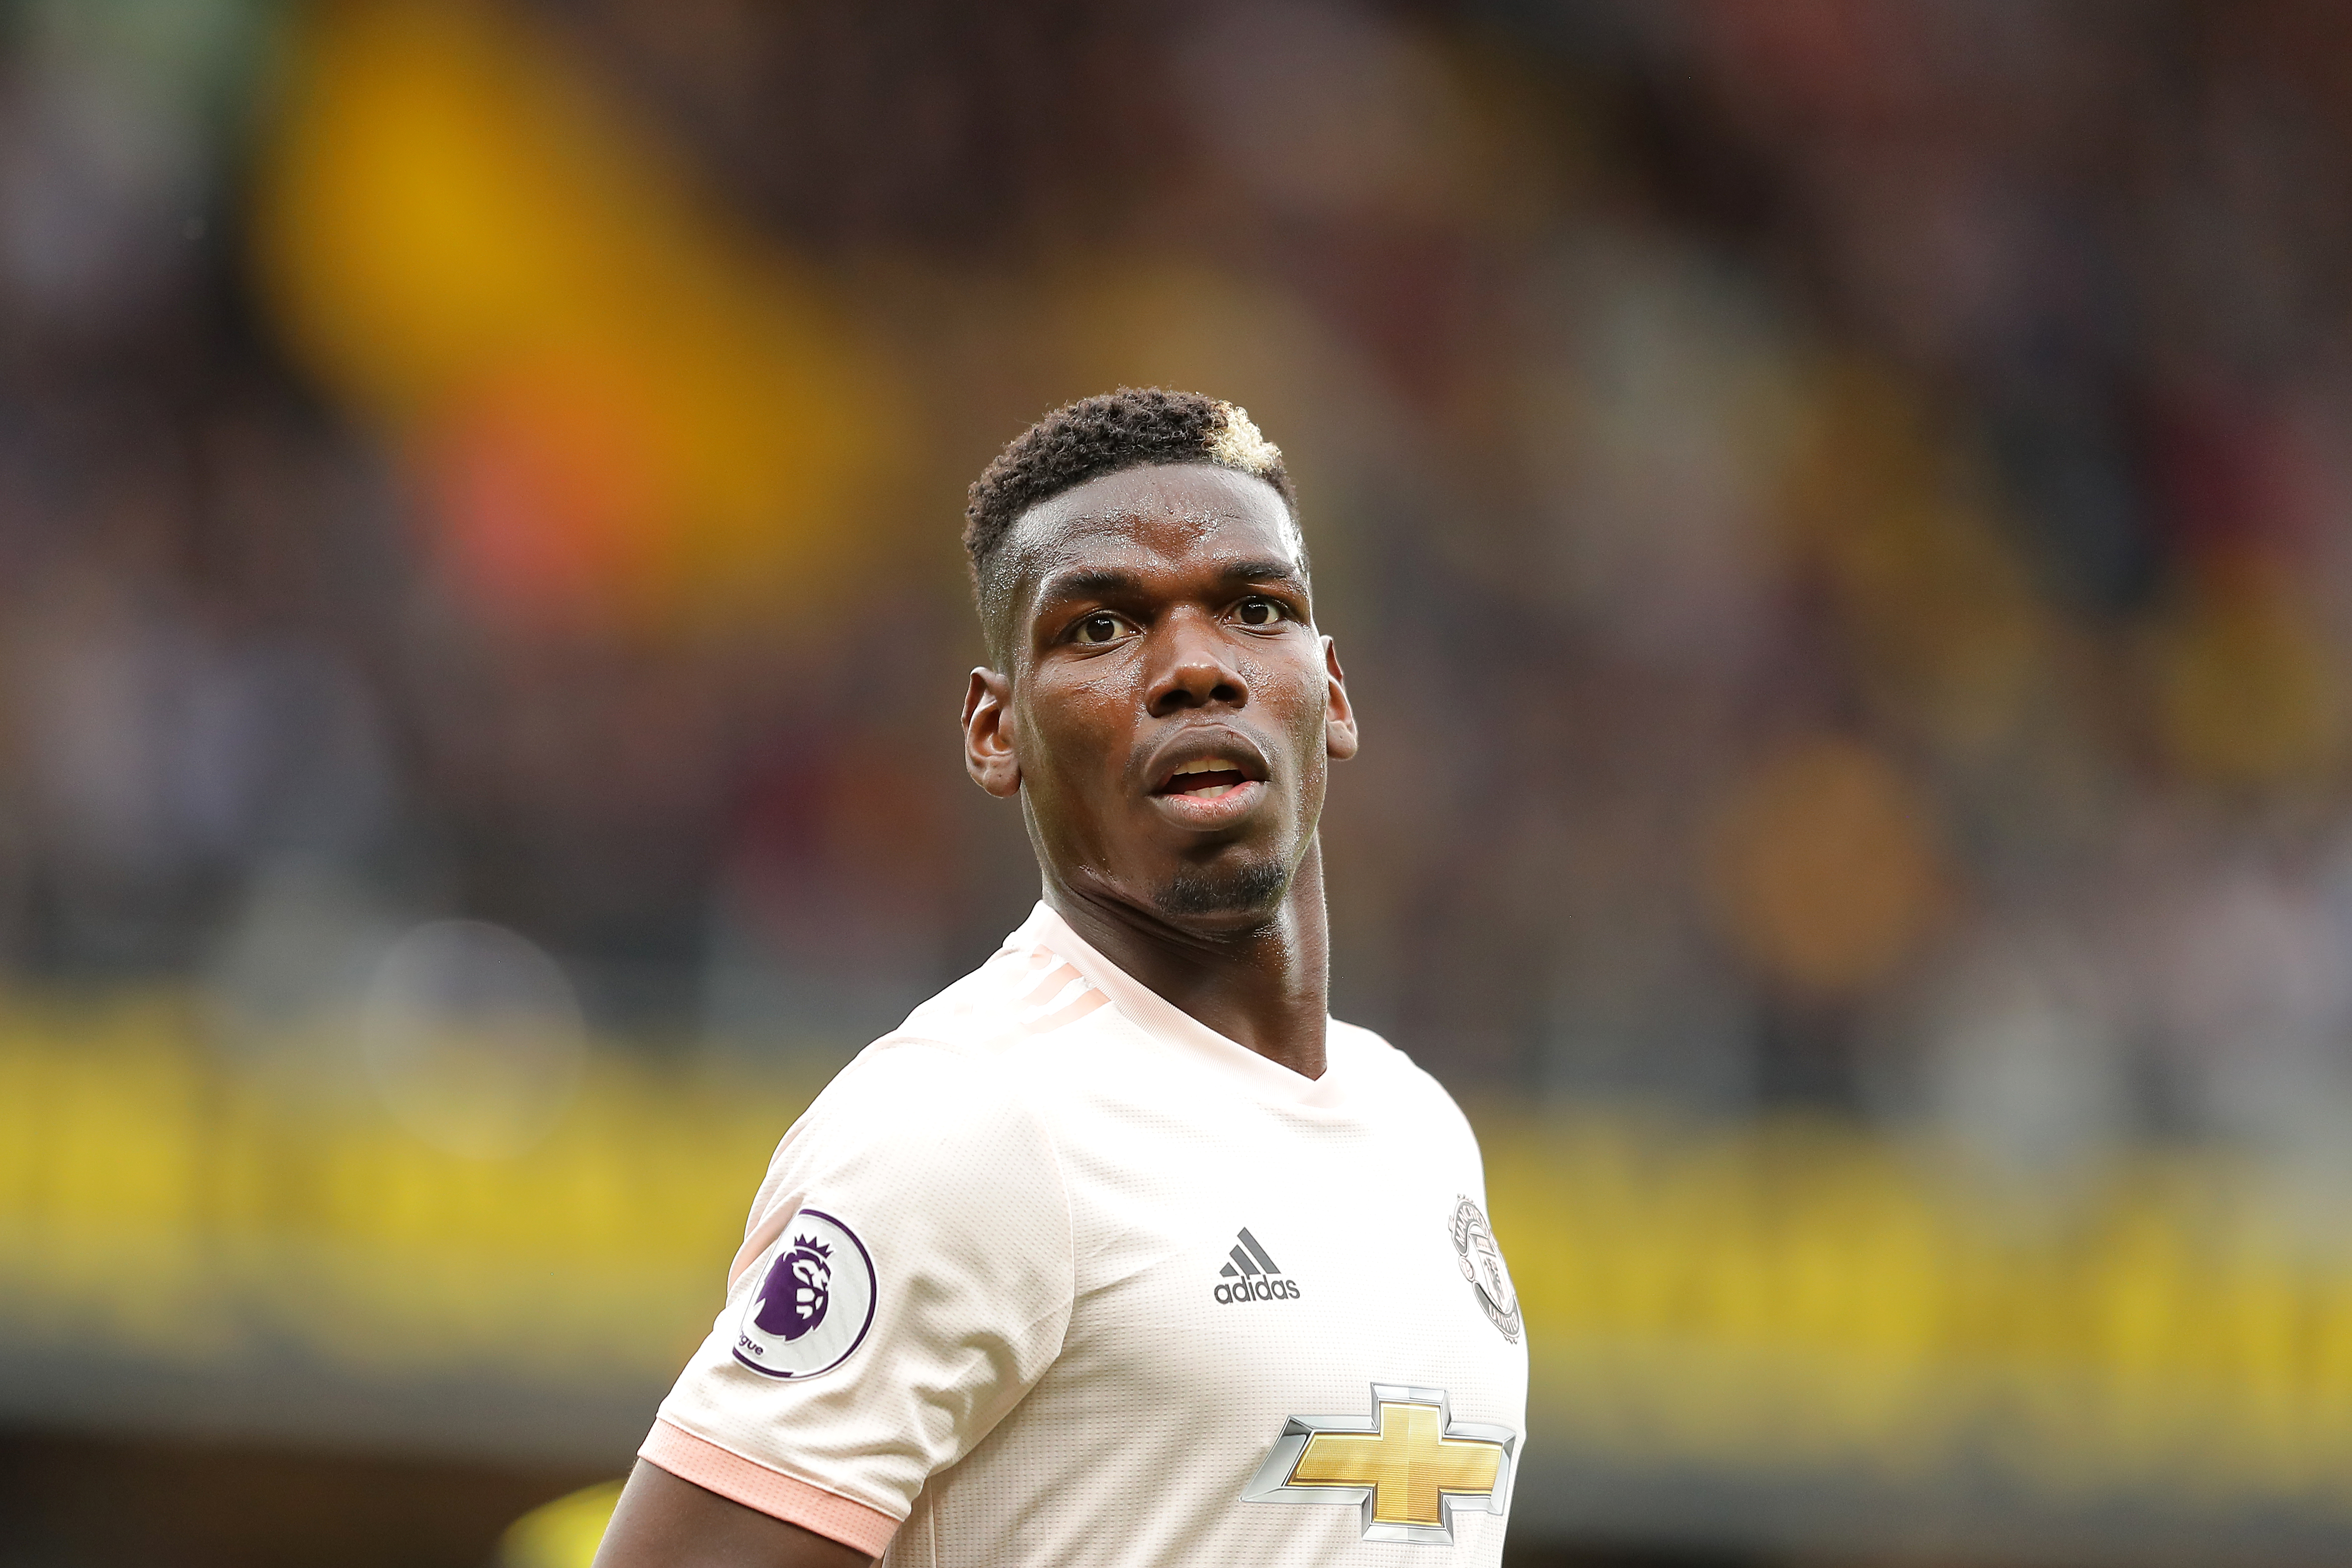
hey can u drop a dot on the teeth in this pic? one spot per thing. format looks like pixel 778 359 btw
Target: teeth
pixel 1207 765
pixel 1213 791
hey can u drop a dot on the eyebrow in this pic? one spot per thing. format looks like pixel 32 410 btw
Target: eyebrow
pixel 1262 572
pixel 1094 583
pixel 1109 581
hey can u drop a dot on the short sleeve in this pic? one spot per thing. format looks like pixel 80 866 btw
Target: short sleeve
pixel 906 1278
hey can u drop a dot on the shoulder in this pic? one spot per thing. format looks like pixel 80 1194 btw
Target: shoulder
pixel 1357 1051
pixel 1388 1074
pixel 970 1070
pixel 920 1146
pixel 1023 994
pixel 920 1095
pixel 973 1044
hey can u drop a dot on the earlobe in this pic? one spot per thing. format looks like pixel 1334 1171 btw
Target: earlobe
pixel 1339 738
pixel 987 735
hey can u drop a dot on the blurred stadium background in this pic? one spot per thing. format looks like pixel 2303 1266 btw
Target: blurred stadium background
pixel 1838 513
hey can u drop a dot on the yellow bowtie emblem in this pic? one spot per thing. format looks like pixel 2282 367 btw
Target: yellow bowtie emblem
pixel 1411 1470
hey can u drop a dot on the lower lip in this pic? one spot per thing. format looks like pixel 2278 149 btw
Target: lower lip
pixel 1193 811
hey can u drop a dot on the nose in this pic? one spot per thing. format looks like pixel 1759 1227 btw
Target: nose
pixel 1193 670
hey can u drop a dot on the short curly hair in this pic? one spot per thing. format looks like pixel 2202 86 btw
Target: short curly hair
pixel 1084 440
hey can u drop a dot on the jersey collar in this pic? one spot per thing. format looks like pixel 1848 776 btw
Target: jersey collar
pixel 1164 1020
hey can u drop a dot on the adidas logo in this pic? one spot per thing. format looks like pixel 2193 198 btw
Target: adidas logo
pixel 1252 1276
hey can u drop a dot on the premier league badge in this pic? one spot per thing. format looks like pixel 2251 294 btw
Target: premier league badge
pixel 798 1290
pixel 814 1302
pixel 1482 1264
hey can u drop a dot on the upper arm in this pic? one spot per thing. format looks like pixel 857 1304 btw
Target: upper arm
pixel 909 1278
pixel 664 1522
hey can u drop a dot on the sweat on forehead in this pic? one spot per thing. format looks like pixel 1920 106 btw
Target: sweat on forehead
pixel 1137 519
pixel 1080 442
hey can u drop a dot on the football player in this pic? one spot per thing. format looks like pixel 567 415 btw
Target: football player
pixel 1120 1250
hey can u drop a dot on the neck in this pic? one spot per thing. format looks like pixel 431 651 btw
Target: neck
pixel 1267 988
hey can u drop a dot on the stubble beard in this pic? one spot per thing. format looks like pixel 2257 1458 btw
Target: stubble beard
pixel 1253 887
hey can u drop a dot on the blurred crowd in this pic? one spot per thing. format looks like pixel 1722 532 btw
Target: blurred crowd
pixel 1835 513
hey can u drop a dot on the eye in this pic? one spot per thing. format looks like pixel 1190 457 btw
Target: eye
pixel 1096 630
pixel 1256 611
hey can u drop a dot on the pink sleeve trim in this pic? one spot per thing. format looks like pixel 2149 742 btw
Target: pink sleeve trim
pixel 773 1492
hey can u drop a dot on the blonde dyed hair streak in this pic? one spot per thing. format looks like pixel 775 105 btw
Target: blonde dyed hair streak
pixel 1239 443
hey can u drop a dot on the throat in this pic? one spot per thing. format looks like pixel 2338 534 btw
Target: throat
pixel 1262 984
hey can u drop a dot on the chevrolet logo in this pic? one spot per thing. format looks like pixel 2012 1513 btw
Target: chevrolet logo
pixel 1412 1469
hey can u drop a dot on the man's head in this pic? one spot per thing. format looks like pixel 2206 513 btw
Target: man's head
pixel 1081 440
pixel 1161 701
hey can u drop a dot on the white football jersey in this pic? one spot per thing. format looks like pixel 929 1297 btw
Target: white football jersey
pixel 1055 1273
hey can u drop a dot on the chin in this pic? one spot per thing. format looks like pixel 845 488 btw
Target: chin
pixel 1251 890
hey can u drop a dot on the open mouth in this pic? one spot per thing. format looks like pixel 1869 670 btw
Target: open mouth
pixel 1203 778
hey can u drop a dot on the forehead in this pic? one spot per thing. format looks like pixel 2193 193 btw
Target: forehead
pixel 1161 516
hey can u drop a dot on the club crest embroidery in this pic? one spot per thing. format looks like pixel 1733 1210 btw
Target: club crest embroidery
pixel 813 1301
pixel 1481 1262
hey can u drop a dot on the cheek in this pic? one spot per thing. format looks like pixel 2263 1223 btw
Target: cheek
pixel 1076 732
pixel 1301 695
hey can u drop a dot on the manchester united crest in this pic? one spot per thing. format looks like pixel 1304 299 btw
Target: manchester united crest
pixel 1482 1264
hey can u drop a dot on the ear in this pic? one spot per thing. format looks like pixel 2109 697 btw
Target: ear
pixel 1339 716
pixel 988 735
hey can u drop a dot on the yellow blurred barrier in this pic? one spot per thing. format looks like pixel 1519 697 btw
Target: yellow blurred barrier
pixel 153 1203
pixel 1804 1296
pixel 1795 1296
pixel 564 1533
